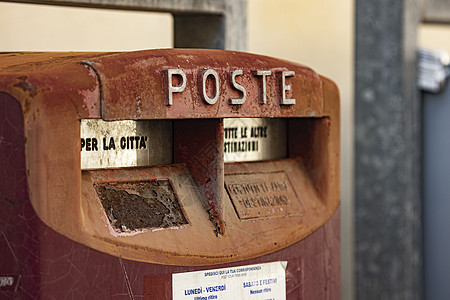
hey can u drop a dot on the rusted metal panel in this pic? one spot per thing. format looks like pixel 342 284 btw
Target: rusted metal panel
pixel 57 90
pixel 47 79
pixel 44 97
pixel 135 206
pixel 154 94
pixel 199 144
pixel 199 242
pixel 135 85
pixel 47 271
pixel 51 265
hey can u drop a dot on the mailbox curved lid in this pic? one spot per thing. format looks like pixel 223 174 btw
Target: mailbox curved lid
pixel 147 73
pixel 134 85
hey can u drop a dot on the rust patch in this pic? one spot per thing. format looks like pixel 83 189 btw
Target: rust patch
pixel 25 85
pixel 139 205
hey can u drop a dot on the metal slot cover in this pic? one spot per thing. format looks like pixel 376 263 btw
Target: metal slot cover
pixel 139 205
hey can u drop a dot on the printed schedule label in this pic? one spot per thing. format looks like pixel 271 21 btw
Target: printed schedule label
pixel 261 281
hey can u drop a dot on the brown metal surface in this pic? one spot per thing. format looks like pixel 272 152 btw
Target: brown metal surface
pixel 262 195
pixel 197 243
pixel 48 265
pixel 313 268
pixel 199 144
pixel 125 96
pixel 137 205
pixel 56 90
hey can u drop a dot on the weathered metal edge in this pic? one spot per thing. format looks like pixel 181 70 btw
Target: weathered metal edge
pixel 171 6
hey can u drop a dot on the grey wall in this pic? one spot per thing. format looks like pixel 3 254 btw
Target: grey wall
pixel 388 233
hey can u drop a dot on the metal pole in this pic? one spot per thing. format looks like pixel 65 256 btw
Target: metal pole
pixel 388 150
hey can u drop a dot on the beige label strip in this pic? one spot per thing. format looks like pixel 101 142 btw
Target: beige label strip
pixel 253 139
pixel 119 144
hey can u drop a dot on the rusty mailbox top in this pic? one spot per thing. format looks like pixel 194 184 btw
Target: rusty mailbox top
pixel 217 84
pixel 195 91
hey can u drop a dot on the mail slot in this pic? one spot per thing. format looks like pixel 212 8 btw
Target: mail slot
pixel 167 174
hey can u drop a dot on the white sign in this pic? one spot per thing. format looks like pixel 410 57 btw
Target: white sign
pixel 256 282
pixel 127 143
pixel 253 139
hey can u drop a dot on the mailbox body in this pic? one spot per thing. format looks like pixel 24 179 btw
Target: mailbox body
pixel 58 240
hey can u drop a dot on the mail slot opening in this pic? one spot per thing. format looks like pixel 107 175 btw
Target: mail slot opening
pixel 258 181
pixel 263 139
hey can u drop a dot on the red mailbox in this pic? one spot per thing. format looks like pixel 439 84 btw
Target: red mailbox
pixel 183 174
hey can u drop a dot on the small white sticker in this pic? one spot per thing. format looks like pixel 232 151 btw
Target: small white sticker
pixel 262 281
